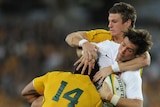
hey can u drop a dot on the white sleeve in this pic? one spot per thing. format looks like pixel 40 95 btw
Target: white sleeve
pixel 133 83
pixel 107 53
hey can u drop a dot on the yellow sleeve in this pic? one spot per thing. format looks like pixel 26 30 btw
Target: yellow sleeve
pixel 39 84
pixel 141 71
pixel 98 35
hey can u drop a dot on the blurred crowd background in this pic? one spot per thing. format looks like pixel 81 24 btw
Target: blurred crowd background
pixel 32 41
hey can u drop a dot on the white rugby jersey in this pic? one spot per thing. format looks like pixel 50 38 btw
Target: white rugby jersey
pixel 108 51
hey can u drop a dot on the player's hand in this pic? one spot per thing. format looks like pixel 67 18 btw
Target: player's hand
pixel 105 91
pixel 88 57
pixel 84 63
pixel 89 51
pixel 102 74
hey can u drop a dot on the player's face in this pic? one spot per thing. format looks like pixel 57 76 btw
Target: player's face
pixel 116 25
pixel 127 50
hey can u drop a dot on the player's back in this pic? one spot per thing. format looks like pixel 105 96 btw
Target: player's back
pixel 64 89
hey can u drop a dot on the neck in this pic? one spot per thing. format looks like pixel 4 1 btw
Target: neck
pixel 117 39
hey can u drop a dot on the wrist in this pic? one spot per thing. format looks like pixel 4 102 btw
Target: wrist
pixel 115 67
pixel 114 100
pixel 109 97
pixel 81 42
pixel 110 71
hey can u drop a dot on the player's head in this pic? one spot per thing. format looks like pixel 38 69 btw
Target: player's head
pixel 89 92
pixel 96 68
pixel 121 17
pixel 135 42
pixel 127 12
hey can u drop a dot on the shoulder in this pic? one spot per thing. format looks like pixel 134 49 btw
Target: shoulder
pixel 52 75
pixel 98 35
pixel 99 31
pixel 107 44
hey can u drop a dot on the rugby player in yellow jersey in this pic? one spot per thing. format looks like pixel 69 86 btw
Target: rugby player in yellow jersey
pixel 63 89
pixel 121 17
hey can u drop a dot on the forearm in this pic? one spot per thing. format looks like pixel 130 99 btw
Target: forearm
pixel 124 102
pixel 117 101
pixel 74 38
pixel 136 63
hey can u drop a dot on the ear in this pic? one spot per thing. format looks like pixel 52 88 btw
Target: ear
pixel 128 23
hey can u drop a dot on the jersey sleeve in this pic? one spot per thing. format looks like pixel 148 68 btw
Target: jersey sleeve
pixel 98 35
pixel 38 84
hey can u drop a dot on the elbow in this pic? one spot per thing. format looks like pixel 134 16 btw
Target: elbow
pixel 23 92
pixel 147 59
pixel 69 40
pixel 74 38
pixel 147 63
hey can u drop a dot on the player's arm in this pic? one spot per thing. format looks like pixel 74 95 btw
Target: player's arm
pixel 125 102
pixel 74 38
pixel 136 63
pixel 38 102
pixel 79 39
pixel 29 93
pixel 117 101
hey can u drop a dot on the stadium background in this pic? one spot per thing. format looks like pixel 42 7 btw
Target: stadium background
pixel 32 34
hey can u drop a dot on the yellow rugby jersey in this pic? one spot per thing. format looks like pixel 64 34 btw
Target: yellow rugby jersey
pixel 64 89
pixel 98 35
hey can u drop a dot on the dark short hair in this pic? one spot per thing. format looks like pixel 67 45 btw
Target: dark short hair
pixel 127 12
pixel 141 38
